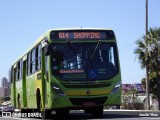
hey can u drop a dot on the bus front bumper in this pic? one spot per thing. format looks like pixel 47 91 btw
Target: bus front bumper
pixel 84 101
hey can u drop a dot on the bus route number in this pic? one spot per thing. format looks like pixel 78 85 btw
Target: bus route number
pixel 63 35
pixel 79 35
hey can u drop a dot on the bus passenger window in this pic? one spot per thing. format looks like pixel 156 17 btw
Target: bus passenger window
pixel 16 74
pixel 28 64
pixel 30 71
pixel 21 64
pixel 11 74
pixel 33 61
pixel 38 57
pixel 19 70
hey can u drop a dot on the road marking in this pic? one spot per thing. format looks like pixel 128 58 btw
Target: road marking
pixel 152 118
pixel 155 118
pixel 15 118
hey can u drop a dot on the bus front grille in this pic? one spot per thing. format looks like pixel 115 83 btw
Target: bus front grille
pixel 86 85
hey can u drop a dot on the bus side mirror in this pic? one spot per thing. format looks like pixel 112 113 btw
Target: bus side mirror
pixel 47 49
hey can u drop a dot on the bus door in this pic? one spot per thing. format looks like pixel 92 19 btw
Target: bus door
pixel 39 75
pixel 46 80
pixel 24 89
pixel 43 81
pixel 14 85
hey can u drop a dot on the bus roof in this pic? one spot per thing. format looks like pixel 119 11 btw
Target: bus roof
pixel 30 48
pixel 46 34
pixel 58 29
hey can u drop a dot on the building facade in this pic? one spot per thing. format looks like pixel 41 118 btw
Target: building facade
pixel 5 87
pixel 4 91
pixel 4 82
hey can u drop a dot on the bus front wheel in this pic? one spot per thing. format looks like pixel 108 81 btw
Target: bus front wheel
pixel 19 102
pixel 46 114
pixel 97 111
pixel 64 113
pixel 39 103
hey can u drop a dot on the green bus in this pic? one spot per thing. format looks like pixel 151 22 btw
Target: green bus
pixel 68 69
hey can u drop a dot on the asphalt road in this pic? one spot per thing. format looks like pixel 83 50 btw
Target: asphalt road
pixel 107 115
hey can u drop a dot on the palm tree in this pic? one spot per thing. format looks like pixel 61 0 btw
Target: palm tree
pixel 1 99
pixel 148 51
pixel 144 55
pixel 154 36
pixel 149 48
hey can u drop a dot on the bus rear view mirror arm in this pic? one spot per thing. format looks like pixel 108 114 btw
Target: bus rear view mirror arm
pixel 47 48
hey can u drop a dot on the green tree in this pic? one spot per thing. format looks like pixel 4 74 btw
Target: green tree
pixel 153 83
pixel 148 50
pixel 143 53
pixel 1 100
pixel 154 36
pixel 131 98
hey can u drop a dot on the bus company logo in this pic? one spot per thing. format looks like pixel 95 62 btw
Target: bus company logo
pixel 21 115
pixel 88 92
pixel 6 114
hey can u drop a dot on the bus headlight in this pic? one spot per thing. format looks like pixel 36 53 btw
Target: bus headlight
pixel 57 90
pixel 116 88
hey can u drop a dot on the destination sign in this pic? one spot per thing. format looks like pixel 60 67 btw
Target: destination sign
pixel 81 35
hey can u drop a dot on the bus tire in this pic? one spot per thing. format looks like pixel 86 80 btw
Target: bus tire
pixel 62 113
pixel 46 114
pixel 97 112
pixel 19 102
pixel 39 103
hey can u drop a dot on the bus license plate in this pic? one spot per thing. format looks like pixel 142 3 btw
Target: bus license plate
pixel 89 104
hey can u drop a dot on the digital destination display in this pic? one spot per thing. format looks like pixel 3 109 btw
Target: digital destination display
pixel 82 35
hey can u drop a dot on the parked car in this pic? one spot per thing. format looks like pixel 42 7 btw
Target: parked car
pixel 1 109
pixel 8 109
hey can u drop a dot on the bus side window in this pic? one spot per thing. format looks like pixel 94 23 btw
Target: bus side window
pixel 30 70
pixel 14 74
pixel 38 57
pixel 19 70
pixel 28 64
pixel 16 69
pixel 11 74
pixel 33 61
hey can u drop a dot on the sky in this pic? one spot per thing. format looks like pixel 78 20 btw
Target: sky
pixel 22 22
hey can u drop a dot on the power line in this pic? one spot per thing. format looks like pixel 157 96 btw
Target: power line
pixel 126 46
pixel 136 77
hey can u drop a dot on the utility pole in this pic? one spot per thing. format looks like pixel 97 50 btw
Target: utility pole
pixel 147 67
pixel 146 16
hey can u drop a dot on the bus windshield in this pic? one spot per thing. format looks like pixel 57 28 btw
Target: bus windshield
pixel 84 61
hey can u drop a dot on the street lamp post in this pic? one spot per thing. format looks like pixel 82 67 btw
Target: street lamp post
pixel 146 16
pixel 147 67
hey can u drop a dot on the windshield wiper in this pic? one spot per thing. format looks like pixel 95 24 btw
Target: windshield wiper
pixel 74 51
pixel 98 44
pixel 70 46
